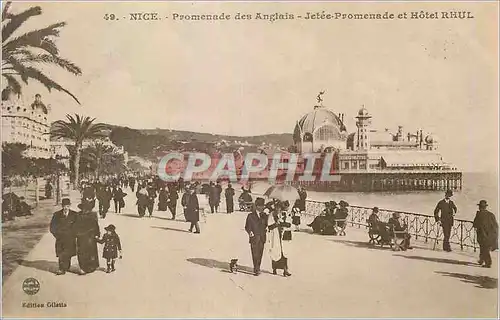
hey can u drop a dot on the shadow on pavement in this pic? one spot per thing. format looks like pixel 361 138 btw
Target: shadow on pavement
pixel 362 244
pixel 439 260
pixel 129 215
pixel 170 229
pixel 480 281
pixel 44 265
pixel 223 266
pixel 163 218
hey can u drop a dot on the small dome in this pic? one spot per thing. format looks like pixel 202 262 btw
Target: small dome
pixel 39 105
pixel 363 112
pixel 430 139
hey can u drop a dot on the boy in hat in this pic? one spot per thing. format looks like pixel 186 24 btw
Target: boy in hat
pixel 62 228
pixel 487 233
pixel 256 227
pixel 448 210
pixel 112 247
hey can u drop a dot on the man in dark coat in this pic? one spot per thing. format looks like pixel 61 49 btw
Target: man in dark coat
pixel 229 194
pixel 62 227
pixel 301 202
pixel 448 211
pixel 151 198
pixel 218 189
pixel 131 183
pixel 487 233
pixel 172 200
pixel 256 227
pixel 213 198
pixel 184 200
pixel 192 210
pixel 89 195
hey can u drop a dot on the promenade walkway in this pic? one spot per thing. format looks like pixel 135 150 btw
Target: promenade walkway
pixel 169 272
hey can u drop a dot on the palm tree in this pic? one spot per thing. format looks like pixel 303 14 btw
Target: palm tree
pixel 78 129
pixel 97 153
pixel 23 55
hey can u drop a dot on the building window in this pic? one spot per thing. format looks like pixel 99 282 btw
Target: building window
pixel 325 133
pixel 354 164
pixel 346 165
pixel 362 165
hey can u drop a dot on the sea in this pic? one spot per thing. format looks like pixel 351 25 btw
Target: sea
pixel 475 187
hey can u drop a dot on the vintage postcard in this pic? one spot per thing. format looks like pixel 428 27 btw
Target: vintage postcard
pixel 249 159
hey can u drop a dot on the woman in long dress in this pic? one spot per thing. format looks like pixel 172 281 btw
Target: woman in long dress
pixel 87 230
pixel 276 226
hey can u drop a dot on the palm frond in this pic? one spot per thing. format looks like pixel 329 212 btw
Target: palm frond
pixel 32 73
pixel 5 13
pixel 12 83
pixel 16 20
pixel 27 56
pixel 36 38
pixel 78 129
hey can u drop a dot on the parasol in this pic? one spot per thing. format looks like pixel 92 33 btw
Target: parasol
pixel 282 192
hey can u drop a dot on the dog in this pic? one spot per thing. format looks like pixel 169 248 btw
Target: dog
pixel 233 266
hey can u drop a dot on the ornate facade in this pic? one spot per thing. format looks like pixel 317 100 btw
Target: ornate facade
pixel 27 124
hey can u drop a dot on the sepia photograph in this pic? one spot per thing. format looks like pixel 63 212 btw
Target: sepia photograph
pixel 250 159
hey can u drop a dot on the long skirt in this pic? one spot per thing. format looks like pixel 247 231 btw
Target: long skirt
pixel 162 205
pixel 88 258
pixel 281 264
pixel 229 205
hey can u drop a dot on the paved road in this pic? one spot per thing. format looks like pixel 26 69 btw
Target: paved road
pixel 168 272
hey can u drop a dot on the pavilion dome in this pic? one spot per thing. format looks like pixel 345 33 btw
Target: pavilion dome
pixel 320 117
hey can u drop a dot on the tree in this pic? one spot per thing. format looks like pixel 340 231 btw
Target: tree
pixel 98 153
pixel 13 161
pixel 78 128
pixel 23 55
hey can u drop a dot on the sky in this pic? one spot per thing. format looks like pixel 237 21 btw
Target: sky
pixel 258 77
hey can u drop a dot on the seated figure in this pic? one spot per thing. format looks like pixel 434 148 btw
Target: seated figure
pixel 378 227
pixel 324 223
pixel 396 224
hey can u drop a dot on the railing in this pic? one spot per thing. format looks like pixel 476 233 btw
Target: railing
pixel 420 226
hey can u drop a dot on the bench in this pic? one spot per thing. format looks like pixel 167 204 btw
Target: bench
pixel 375 237
pixel 340 226
pixel 398 238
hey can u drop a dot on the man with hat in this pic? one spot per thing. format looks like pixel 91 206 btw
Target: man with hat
pixel 256 227
pixel 487 233
pixel 379 226
pixel 62 228
pixel 448 209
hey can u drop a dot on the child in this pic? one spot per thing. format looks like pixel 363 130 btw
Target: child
pixel 111 247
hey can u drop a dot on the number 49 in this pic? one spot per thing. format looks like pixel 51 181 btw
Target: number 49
pixel 109 16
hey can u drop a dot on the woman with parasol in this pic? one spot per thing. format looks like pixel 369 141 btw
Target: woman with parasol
pixel 277 224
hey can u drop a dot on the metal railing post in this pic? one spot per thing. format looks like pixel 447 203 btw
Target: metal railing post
pixel 426 229
pixel 461 235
